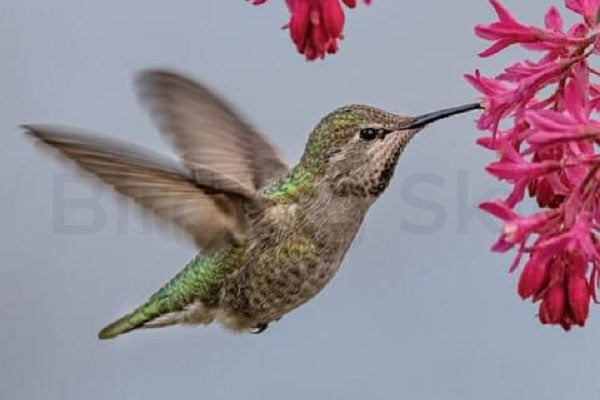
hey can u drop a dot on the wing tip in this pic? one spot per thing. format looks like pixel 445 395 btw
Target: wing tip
pixel 30 129
pixel 155 82
pixel 160 72
pixel 154 76
pixel 49 135
pixel 45 132
pixel 39 133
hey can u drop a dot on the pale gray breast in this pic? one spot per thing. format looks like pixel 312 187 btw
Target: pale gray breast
pixel 299 255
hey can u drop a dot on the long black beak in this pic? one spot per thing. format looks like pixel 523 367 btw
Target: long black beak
pixel 425 119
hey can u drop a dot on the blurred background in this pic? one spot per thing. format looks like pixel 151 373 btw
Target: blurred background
pixel 421 309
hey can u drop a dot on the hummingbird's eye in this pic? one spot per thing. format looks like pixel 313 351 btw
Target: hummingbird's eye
pixel 369 133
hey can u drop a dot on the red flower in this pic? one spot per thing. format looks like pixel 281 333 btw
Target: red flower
pixel 534 277
pixel 547 146
pixel 316 26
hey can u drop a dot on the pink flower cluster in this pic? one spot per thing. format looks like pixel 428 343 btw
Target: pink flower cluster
pixel 316 26
pixel 540 118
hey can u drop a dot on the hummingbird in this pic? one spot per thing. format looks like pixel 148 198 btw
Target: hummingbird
pixel 269 236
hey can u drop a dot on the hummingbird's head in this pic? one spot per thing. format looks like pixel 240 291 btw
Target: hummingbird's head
pixel 356 147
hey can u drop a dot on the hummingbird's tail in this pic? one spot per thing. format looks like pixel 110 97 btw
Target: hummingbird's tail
pixel 175 303
pixel 129 322
pixel 157 314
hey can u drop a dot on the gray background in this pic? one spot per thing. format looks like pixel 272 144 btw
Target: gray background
pixel 420 310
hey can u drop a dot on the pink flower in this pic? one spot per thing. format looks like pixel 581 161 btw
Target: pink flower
pixel 516 228
pixel 534 277
pixel 572 124
pixel 566 299
pixel 513 167
pixel 316 26
pixel 586 8
pixel 508 31
pixel 578 291
pixel 352 3
pixel 513 89
pixel 552 309
pixel 548 147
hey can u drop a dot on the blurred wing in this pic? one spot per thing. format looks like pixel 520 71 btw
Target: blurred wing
pixel 205 130
pixel 210 212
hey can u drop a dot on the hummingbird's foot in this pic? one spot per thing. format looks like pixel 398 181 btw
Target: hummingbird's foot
pixel 260 328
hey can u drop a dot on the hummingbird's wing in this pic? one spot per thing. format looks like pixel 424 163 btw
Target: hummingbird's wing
pixel 205 130
pixel 207 206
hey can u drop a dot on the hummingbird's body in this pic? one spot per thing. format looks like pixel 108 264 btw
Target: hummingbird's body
pixel 271 237
pixel 290 253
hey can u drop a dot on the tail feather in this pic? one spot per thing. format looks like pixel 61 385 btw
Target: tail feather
pixel 181 301
pixel 129 322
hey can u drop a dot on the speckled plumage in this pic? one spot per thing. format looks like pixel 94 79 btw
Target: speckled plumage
pixel 271 238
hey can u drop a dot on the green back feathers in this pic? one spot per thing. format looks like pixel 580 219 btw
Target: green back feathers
pixel 298 182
